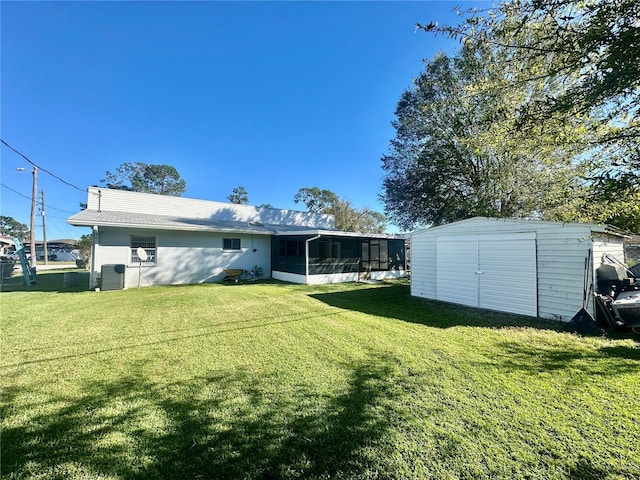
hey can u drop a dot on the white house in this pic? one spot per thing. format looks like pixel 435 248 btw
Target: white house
pixel 527 267
pixel 192 241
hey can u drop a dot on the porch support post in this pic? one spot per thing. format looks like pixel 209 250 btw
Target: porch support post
pixel 306 257
pixel 92 274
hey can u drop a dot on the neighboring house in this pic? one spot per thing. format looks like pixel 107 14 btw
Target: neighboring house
pixel 61 250
pixel 6 243
pixel 527 267
pixel 193 241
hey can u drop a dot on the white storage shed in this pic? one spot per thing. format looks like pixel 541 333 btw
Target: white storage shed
pixel 527 267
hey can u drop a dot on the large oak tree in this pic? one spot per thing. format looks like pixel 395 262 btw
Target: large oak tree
pixel 582 59
pixel 454 155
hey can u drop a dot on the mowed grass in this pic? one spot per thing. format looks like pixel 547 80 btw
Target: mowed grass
pixel 271 380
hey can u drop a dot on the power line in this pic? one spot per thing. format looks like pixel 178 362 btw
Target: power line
pixel 15 191
pixel 43 169
pixel 29 198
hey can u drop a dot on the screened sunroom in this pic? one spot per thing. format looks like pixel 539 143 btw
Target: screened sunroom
pixel 333 257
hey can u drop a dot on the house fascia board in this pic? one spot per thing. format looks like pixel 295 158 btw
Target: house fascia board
pixel 339 233
pixel 183 227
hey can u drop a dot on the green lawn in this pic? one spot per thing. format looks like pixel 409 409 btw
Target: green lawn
pixel 271 380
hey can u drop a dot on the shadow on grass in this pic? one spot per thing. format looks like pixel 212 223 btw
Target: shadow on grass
pixel 146 340
pixel 50 281
pixel 395 301
pixel 231 425
pixel 535 358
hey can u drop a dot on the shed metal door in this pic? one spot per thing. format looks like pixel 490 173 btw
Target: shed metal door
pixel 496 272
pixel 456 267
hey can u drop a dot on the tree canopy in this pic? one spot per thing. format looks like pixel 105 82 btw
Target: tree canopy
pixel 590 50
pixel 347 218
pixel 142 177
pixel 84 246
pixel 12 228
pixel 315 199
pixel 566 72
pixel 455 157
pixel 239 196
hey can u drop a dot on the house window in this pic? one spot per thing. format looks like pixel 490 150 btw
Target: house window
pixel 230 244
pixel 148 243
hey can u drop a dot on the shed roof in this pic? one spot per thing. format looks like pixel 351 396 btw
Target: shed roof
pixel 593 227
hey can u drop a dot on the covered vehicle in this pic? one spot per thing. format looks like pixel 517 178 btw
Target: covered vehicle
pixel 618 294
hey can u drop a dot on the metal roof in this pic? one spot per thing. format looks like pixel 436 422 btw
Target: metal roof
pixel 90 218
pixel 594 227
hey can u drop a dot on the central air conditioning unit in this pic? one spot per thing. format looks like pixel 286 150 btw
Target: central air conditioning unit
pixel 112 277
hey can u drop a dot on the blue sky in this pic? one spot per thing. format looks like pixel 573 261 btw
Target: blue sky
pixel 273 96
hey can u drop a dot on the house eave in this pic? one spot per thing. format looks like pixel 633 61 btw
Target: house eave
pixel 159 222
pixel 337 233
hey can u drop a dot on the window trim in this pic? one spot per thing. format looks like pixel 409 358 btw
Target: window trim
pixel 232 241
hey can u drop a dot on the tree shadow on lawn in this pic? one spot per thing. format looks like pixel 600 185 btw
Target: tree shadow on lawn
pixel 123 343
pixel 231 425
pixel 535 358
pixel 395 301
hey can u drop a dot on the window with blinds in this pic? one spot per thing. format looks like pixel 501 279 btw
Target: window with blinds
pixel 148 243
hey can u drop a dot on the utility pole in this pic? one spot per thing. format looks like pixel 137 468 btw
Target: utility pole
pixel 44 230
pixel 34 193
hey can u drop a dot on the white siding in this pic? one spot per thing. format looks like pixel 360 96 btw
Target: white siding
pixel 334 277
pixel 182 258
pixel 561 269
pixel 607 244
pixel 331 278
pixel 288 277
pixel 561 252
pixel 423 255
pixel 387 274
